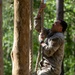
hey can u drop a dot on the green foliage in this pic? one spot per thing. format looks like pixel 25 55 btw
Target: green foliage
pixel 49 18
pixel 7 34
pixel 69 60
pixel 7 67
pixel 69 64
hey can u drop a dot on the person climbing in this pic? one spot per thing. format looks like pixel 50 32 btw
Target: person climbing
pixel 52 43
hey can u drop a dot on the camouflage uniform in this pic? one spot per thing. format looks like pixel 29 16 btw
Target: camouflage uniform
pixel 52 52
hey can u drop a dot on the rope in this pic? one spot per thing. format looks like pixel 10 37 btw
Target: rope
pixel 31 36
pixel 39 51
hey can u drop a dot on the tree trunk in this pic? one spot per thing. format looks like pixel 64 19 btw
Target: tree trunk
pixel 60 16
pixel 20 51
pixel 59 9
pixel 1 52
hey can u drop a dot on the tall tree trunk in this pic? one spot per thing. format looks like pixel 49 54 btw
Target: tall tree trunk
pixel 60 16
pixel 1 52
pixel 59 9
pixel 20 51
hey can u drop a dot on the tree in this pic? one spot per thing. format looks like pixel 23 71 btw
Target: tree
pixel 1 52
pixel 20 51
pixel 59 9
pixel 60 16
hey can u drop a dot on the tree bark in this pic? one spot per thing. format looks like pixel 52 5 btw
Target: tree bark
pixel 20 51
pixel 1 51
pixel 59 9
pixel 60 16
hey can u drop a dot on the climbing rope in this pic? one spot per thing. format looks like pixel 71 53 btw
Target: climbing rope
pixel 31 36
pixel 39 51
pixel 31 30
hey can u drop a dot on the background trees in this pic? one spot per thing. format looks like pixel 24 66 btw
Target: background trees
pixel 1 51
pixel 8 26
pixel 50 17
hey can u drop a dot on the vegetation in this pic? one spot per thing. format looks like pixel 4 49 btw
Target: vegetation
pixel 50 16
